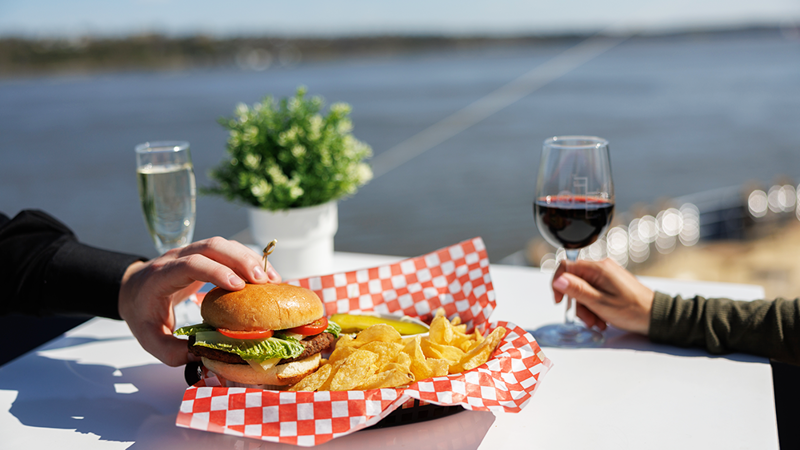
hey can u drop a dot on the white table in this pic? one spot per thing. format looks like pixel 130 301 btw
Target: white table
pixel 95 387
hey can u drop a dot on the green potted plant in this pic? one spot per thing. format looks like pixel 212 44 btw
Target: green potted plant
pixel 289 164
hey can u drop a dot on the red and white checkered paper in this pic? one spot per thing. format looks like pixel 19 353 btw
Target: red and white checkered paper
pixel 455 278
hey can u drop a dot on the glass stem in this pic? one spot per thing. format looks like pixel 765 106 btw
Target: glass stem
pixel 569 313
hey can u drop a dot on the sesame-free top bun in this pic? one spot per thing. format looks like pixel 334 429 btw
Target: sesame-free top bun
pixel 261 307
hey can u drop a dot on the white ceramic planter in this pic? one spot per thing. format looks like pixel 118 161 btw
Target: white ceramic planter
pixel 305 238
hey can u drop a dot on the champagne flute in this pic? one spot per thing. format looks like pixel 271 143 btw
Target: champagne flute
pixel 167 191
pixel 168 194
pixel 573 208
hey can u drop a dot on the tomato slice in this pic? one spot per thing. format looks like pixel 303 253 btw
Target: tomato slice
pixel 252 334
pixel 309 329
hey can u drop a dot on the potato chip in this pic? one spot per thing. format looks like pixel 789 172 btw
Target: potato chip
pixel 481 353
pixel 441 332
pixel 315 380
pixel 386 351
pixel 345 340
pixel 411 347
pixel 326 386
pixel 468 345
pixel 470 341
pixel 402 359
pixel 438 351
pixel 380 332
pixel 341 352
pixel 354 370
pixel 418 366
pixel 460 339
pixel 439 367
pixel 379 357
pixel 387 379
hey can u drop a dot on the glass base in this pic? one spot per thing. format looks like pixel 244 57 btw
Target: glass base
pixel 569 336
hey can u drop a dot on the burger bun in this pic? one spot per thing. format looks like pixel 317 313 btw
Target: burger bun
pixel 279 375
pixel 261 307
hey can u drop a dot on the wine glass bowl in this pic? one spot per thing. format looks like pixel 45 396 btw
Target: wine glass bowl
pixel 573 208
pixel 167 191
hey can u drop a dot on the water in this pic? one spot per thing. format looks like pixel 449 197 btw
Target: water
pixel 683 114
pixel 168 196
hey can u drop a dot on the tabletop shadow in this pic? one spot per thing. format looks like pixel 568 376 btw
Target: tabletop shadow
pixel 619 339
pixel 463 431
pixel 66 342
pixel 102 400
pixel 96 402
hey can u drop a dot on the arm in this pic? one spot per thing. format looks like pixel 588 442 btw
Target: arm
pixel 44 270
pixel 608 294
pixel 761 327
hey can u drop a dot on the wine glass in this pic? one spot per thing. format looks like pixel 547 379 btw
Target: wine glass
pixel 167 191
pixel 574 206
pixel 168 194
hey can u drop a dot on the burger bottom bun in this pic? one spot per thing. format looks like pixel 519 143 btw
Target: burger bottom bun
pixel 277 375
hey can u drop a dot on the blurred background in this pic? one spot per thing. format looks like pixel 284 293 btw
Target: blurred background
pixel 699 99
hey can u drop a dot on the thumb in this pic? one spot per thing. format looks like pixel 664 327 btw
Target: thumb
pixel 171 351
pixel 157 339
pixel 577 288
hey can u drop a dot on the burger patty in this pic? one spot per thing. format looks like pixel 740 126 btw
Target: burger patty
pixel 312 345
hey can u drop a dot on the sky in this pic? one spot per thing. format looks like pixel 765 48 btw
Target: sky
pixel 58 18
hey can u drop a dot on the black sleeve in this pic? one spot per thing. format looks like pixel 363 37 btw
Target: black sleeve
pixel 44 270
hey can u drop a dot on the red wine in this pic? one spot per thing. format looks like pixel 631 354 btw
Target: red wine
pixel 574 222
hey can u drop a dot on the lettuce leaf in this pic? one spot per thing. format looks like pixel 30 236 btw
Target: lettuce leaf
pixel 256 349
pixel 334 329
pixel 191 330
pixel 278 346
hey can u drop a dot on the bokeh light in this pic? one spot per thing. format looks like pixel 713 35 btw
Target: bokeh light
pixel 757 203
pixel 673 227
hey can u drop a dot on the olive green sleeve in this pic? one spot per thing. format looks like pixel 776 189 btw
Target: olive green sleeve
pixel 768 328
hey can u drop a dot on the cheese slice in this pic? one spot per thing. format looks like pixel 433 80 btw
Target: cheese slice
pixel 262 366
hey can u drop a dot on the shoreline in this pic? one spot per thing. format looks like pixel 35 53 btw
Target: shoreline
pixel 24 57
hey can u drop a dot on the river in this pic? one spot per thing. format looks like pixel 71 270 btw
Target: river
pixel 683 114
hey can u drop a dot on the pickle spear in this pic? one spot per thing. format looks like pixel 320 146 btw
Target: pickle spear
pixel 353 323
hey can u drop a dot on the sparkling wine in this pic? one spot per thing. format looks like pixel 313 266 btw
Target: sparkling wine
pixel 572 222
pixel 168 196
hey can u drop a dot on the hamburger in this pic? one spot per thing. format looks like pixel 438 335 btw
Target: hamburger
pixel 265 335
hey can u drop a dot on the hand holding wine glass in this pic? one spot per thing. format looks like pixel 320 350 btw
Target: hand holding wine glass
pixel 573 208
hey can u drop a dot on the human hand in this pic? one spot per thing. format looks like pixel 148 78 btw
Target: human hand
pixel 151 289
pixel 606 293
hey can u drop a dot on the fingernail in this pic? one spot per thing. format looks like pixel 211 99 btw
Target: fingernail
pixel 273 274
pixel 258 273
pixel 235 280
pixel 561 283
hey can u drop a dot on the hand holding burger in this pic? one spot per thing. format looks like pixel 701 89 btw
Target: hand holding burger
pixel 266 335
pixel 149 290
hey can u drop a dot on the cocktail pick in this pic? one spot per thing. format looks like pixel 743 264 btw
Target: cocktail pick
pixel 268 251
